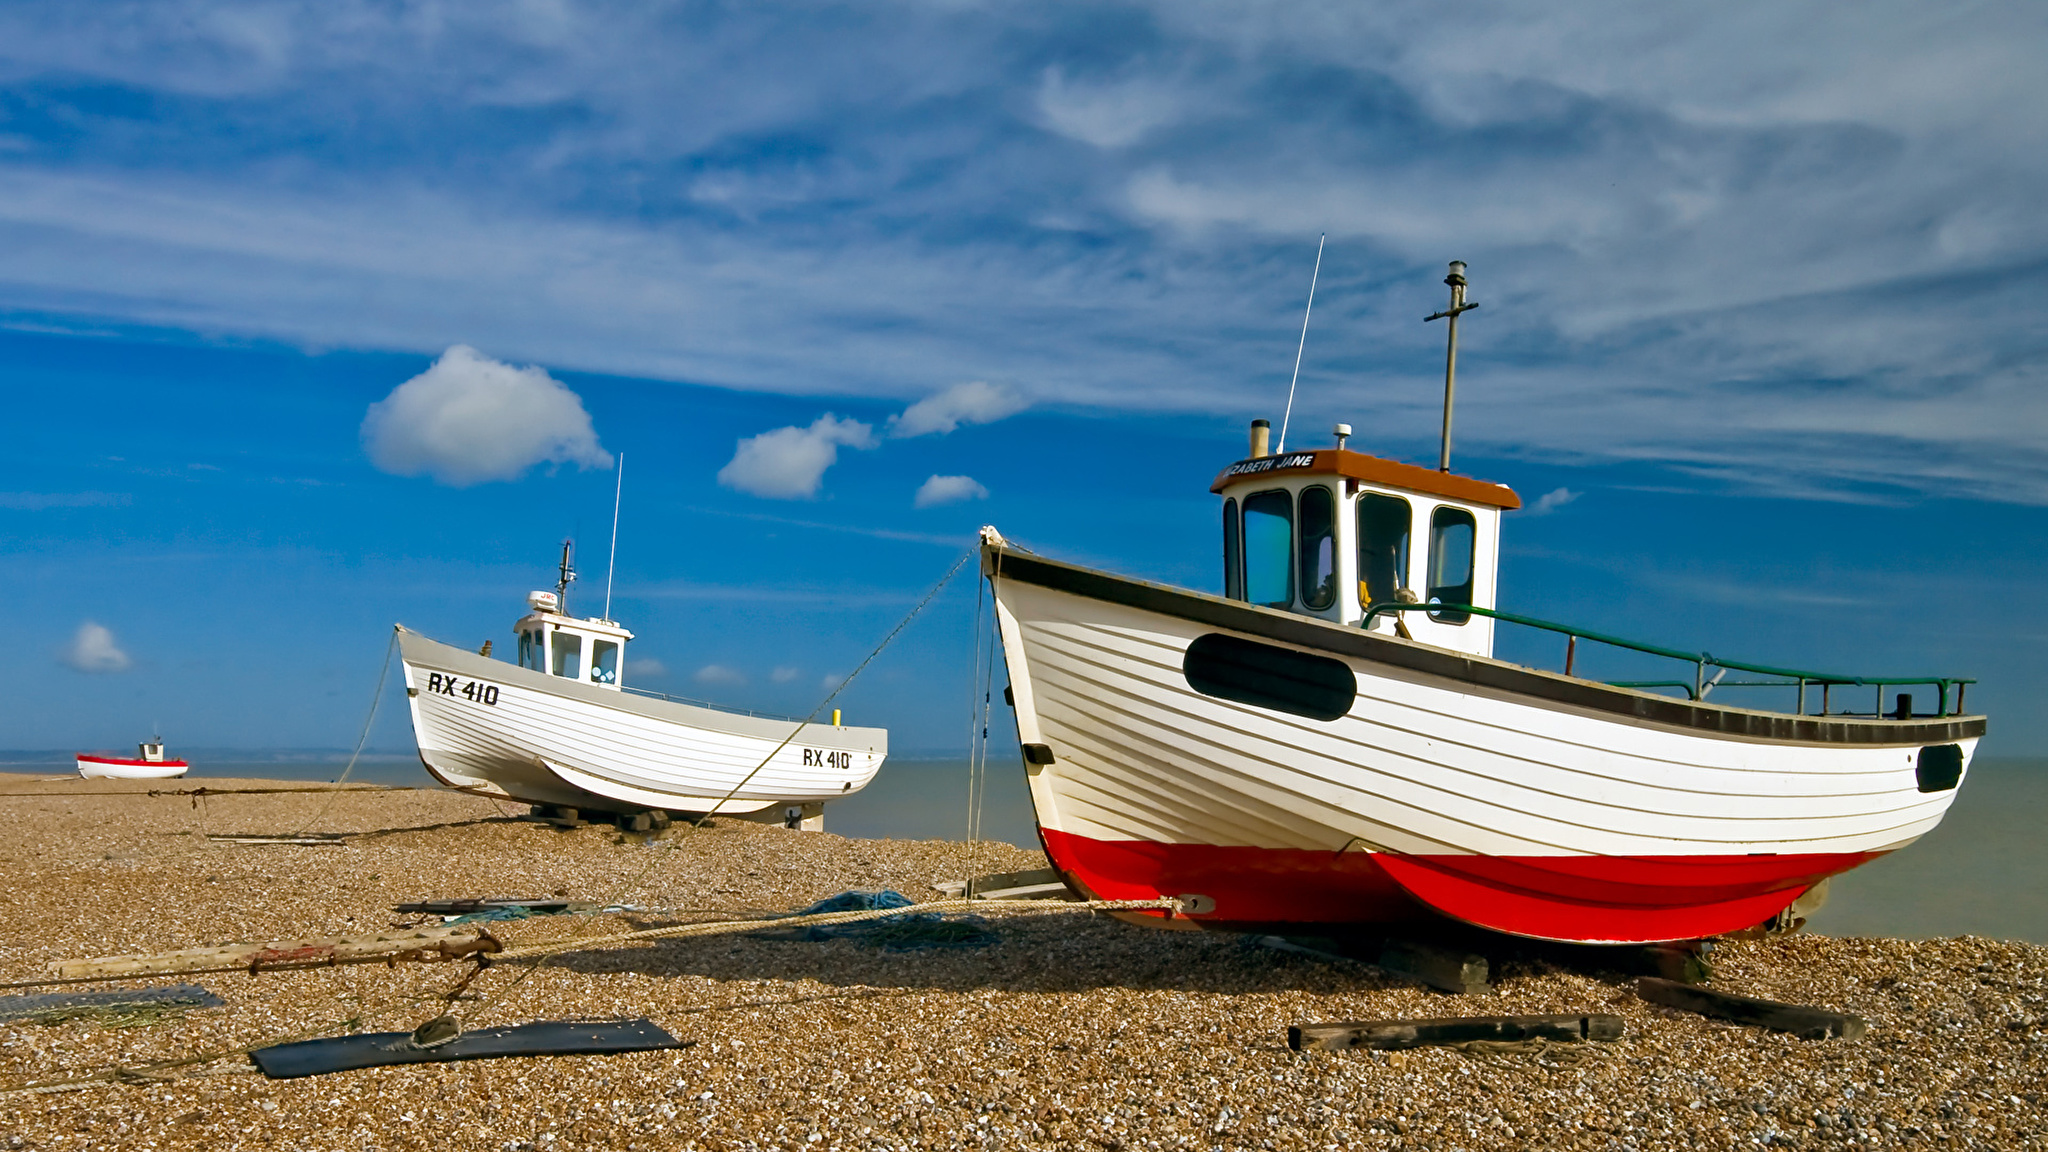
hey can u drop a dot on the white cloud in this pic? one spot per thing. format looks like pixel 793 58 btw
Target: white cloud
pixel 1552 500
pixel 720 675
pixel 1105 115
pixel 471 419
pixel 949 490
pixel 789 463
pixel 92 649
pixel 975 402
pixel 785 674
pixel 645 666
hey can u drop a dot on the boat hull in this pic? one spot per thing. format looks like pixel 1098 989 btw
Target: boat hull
pixel 117 768
pixel 499 730
pixel 1449 785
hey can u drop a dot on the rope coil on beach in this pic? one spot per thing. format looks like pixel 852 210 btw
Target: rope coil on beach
pixel 821 919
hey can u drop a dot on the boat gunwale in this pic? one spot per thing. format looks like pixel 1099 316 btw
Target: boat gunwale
pixel 1317 635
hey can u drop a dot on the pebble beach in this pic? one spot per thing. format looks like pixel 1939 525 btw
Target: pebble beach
pixel 1068 1030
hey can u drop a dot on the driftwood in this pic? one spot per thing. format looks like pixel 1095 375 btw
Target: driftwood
pixel 443 943
pixel 1803 1021
pixel 1392 1035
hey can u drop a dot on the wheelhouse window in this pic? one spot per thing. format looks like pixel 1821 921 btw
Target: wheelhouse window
pixel 604 662
pixel 530 651
pixel 1269 549
pixel 1233 553
pixel 1384 525
pixel 568 654
pixel 1318 548
pixel 1451 535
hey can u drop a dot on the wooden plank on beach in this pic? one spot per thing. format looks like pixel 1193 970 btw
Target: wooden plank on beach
pixel 443 943
pixel 1802 1020
pixel 1393 1035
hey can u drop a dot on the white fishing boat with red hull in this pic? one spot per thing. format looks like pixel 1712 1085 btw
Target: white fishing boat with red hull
pixel 1332 743
pixel 148 763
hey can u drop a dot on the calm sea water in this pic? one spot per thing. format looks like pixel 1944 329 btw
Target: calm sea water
pixel 1984 872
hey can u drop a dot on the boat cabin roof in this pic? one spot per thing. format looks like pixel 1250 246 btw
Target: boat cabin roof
pixel 1371 469
pixel 591 625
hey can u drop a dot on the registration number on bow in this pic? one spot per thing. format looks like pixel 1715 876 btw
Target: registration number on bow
pixel 475 691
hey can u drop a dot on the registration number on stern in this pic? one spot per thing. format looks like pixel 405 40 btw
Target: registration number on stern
pixel 475 691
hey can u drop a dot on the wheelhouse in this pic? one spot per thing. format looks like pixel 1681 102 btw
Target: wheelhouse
pixel 1331 532
pixel 590 650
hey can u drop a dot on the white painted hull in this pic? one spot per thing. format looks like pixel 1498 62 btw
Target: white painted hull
pixel 1468 786
pixel 115 768
pixel 497 729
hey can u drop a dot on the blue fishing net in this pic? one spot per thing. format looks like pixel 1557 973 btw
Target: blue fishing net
pixel 910 932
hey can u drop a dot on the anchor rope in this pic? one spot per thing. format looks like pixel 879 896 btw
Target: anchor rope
pixel 376 698
pixel 822 919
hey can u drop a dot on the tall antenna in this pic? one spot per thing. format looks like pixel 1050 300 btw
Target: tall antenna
pixel 613 564
pixel 1457 282
pixel 1304 339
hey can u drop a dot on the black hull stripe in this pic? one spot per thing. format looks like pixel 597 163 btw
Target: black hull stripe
pixel 1323 636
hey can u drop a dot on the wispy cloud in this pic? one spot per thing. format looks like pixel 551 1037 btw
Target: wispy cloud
pixel 93 649
pixel 1721 239
pixel 1552 500
pixel 975 402
pixel 40 501
pixel 718 675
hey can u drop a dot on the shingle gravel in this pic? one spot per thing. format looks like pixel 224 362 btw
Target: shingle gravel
pixel 1074 1031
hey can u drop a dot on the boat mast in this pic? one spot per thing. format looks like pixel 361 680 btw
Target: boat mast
pixel 612 565
pixel 568 577
pixel 1457 282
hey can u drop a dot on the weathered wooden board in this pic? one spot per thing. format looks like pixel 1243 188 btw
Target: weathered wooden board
pixel 1392 1035
pixel 1802 1020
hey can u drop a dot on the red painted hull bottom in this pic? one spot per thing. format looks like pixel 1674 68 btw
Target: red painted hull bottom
pixel 1585 899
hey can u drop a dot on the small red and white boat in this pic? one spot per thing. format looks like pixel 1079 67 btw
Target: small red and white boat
pixel 1332 742
pixel 149 764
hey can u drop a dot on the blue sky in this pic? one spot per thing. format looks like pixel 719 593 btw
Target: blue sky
pixel 1762 290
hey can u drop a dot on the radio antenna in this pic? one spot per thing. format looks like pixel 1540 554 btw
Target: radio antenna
pixel 1304 339
pixel 612 565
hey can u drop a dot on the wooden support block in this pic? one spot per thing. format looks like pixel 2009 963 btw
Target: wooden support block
pixel 1680 963
pixel 1445 969
pixel 1803 1021
pixel 1392 1035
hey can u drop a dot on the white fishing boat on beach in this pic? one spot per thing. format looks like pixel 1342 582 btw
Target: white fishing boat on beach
pixel 1332 742
pixel 148 763
pixel 560 729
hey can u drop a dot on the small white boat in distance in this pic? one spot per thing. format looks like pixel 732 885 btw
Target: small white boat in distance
pixel 149 764
pixel 560 730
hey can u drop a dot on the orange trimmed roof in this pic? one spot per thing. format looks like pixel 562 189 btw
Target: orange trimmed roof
pixel 1372 470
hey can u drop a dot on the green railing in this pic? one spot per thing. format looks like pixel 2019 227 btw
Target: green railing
pixel 1701 683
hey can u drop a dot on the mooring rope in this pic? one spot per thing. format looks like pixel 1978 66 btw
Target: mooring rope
pixel 821 919
pixel 362 737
